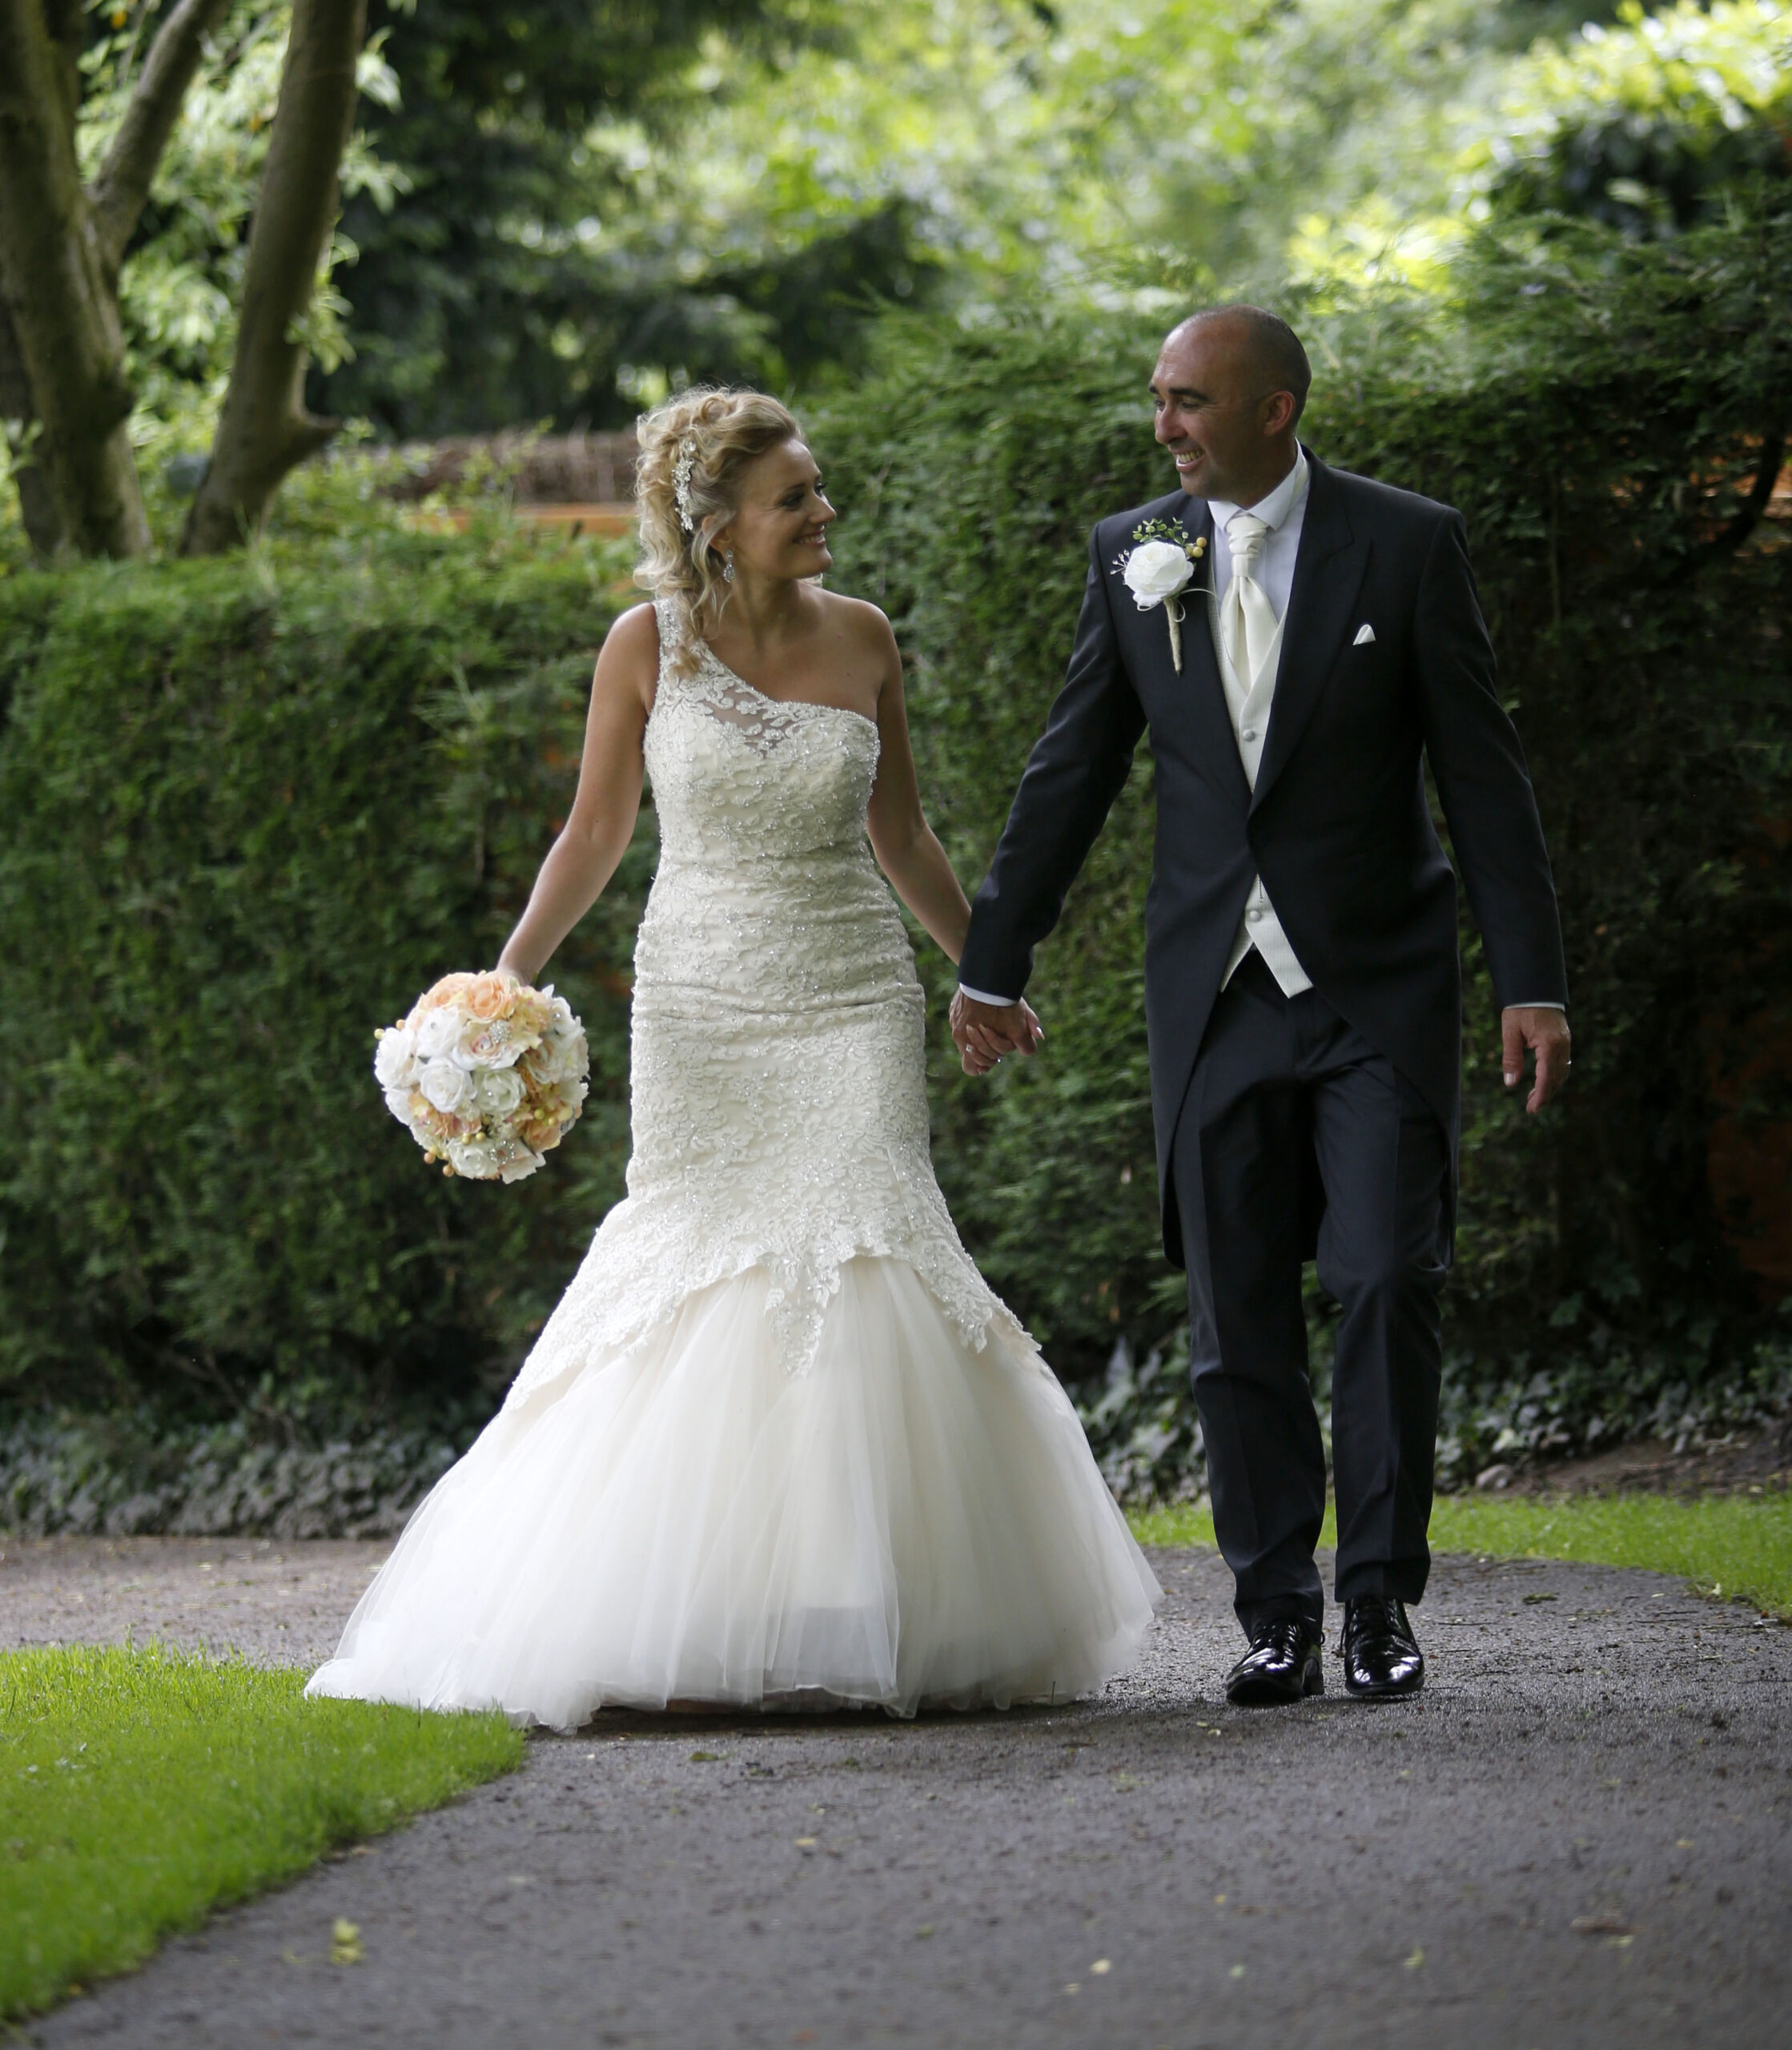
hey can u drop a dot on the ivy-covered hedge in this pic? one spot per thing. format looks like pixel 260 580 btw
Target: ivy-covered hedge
pixel 248 809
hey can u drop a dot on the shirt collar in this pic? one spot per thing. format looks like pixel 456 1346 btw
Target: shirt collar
pixel 1274 509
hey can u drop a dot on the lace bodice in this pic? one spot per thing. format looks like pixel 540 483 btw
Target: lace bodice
pixel 778 1078
pixel 739 776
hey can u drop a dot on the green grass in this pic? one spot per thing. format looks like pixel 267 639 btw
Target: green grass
pixel 1737 1546
pixel 140 1788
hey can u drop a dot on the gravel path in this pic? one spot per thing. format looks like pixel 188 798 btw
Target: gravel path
pixel 280 1604
pixel 1577 1836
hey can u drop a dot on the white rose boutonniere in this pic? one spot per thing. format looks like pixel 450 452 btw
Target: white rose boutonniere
pixel 1157 568
pixel 1156 571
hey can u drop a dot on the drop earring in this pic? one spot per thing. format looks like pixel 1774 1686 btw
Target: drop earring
pixel 728 567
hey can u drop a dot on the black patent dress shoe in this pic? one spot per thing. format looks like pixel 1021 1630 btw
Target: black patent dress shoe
pixel 1381 1656
pixel 1283 1665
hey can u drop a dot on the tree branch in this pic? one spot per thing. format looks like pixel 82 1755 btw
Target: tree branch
pixel 57 297
pixel 1737 529
pixel 264 430
pixel 1741 523
pixel 123 184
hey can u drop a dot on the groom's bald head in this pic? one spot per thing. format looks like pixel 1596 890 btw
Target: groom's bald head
pixel 1227 389
pixel 1268 348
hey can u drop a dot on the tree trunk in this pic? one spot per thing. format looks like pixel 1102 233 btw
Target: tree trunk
pixel 37 504
pixel 265 430
pixel 57 287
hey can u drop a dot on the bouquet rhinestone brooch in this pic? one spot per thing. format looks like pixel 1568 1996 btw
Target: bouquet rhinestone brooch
pixel 1159 568
pixel 486 1074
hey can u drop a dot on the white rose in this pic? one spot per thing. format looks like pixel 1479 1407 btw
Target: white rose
pixel 447 1087
pixel 498 1091
pixel 398 1101
pixel 1155 571
pixel 492 1045
pixel 561 1058
pixel 437 1032
pixel 477 1159
pixel 522 1165
pixel 395 1059
pixel 567 1098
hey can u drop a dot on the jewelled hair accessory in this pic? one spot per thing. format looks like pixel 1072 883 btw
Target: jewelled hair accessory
pixel 682 483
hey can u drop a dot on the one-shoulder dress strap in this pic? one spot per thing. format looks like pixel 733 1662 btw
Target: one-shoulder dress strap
pixel 668 684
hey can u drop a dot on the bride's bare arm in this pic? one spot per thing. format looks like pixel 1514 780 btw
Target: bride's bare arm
pixel 903 842
pixel 602 821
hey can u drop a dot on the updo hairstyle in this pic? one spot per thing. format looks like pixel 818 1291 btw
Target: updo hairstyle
pixel 722 432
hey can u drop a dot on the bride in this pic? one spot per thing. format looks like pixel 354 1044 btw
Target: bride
pixel 779 1445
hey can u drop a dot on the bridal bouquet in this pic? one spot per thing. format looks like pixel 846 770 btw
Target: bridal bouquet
pixel 486 1074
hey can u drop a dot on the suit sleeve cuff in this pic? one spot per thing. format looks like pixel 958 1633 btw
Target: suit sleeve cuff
pixel 983 996
pixel 1535 1006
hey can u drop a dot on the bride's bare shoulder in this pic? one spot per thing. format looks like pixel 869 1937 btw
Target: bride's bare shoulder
pixel 857 621
pixel 628 661
pixel 634 634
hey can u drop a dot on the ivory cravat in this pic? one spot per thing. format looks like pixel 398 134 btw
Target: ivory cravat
pixel 1247 621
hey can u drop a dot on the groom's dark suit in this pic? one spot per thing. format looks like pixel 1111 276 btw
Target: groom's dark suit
pixel 1328 1120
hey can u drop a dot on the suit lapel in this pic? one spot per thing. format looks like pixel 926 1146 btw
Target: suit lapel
pixel 1328 574
pixel 1200 689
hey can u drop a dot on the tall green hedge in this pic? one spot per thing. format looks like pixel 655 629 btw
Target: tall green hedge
pixel 248 809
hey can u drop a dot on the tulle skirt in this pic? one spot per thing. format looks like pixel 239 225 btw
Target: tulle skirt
pixel 911 1522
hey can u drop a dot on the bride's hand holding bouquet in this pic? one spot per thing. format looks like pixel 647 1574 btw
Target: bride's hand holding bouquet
pixel 487 1074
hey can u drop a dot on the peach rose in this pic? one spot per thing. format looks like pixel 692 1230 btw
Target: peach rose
pixel 489 996
pixel 445 991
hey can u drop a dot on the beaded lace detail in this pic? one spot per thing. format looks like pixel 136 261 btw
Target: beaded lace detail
pixel 777 1079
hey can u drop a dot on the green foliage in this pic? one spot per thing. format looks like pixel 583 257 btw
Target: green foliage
pixel 248 809
pixel 555 209
pixel 123 1469
pixel 590 219
pixel 138 1790
pixel 493 291
pixel 1600 412
pixel 1644 127
pixel 1736 1547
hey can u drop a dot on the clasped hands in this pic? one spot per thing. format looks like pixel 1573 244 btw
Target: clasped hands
pixel 985 1033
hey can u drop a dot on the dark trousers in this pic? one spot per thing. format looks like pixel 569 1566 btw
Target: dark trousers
pixel 1293 1121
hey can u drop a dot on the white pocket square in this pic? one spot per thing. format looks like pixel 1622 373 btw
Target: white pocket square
pixel 1365 633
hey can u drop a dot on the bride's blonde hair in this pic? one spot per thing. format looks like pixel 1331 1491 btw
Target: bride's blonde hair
pixel 692 450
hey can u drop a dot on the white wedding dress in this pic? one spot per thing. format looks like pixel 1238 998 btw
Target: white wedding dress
pixel 779 1445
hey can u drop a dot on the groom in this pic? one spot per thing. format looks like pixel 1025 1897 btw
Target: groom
pixel 1303 990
